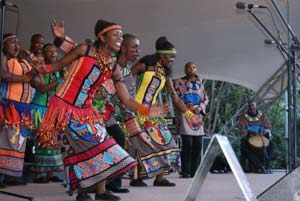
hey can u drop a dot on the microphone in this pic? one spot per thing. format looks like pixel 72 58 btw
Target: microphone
pixel 9 4
pixel 270 42
pixel 242 5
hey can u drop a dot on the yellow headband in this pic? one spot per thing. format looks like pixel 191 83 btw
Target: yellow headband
pixel 9 37
pixel 110 28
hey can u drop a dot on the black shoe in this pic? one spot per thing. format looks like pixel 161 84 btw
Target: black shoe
pixel 261 171
pixel 83 196
pixel 185 176
pixel 137 183
pixel 15 182
pixel 107 196
pixel 119 190
pixel 163 182
pixel 41 180
pixel 55 179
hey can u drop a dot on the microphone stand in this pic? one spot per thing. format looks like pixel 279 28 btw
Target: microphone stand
pixel 3 10
pixel 291 54
pixel 2 30
pixel 292 132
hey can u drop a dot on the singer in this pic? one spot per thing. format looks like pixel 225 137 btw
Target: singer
pixel 191 91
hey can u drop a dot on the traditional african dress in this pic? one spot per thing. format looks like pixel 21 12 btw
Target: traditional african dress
pixel 90 155
pixel 165 153
pixel 45 159
pixel 15 120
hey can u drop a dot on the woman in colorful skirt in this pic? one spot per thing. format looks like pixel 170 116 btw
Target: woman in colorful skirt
pixel 46 160
pixel 191 91
pixel 154 73
pixel 90 155
pixel 15 120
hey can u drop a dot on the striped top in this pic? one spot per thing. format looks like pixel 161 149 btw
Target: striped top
pixel 42 99
pixel 17 91
pixel 83 79
pixel 150 83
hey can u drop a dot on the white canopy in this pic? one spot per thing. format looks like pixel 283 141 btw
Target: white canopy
pixel 224 42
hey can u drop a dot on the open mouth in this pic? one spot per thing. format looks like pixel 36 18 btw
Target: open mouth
pixel 118 44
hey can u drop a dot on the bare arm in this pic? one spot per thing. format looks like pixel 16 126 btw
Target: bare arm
pixel 138 68
pixel 69 58
pixel 128 101
pixel 123 92
pixel 10 77
pixel 40 86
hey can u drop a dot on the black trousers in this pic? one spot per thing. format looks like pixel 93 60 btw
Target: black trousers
pixel 253 157
pixel 190 154
pixel 117 133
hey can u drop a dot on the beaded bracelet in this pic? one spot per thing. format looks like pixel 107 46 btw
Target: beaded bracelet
pixel 49 69
pixel 143 110
pixel 188 114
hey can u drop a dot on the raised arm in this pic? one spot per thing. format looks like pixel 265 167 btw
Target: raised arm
pixel 62 41
pixel 67 59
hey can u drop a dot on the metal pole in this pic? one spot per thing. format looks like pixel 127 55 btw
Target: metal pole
pixel 3 8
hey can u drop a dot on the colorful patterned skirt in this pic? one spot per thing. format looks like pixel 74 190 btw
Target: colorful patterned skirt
pixel 15 122
pixel 45 159
pixel 155 159
pixel 90 155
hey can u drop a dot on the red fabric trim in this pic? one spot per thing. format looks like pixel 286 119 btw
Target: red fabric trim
pixel 89 153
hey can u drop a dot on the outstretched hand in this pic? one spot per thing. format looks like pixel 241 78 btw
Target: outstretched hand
pixel 58 29
pixel 155 111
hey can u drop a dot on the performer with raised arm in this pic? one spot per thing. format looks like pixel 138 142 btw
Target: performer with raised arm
pixel 91 156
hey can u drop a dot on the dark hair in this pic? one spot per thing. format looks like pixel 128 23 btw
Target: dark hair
pixel 102 24
pixel 185 67
pixel 162 43
pixel 127 38
pixel 46 46
pixel 35 37
pixel 187 64
pixel 99 26
pixel 159 41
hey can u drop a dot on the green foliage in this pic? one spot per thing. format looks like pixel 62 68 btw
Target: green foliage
pixel 226 99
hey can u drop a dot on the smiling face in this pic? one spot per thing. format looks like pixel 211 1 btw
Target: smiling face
pixel 112 40
pixel 50 54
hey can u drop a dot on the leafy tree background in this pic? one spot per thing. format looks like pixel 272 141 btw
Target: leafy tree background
pixel 226 99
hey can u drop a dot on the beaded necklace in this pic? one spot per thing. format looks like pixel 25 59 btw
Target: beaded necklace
pixel 256 118
pixel 104 62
